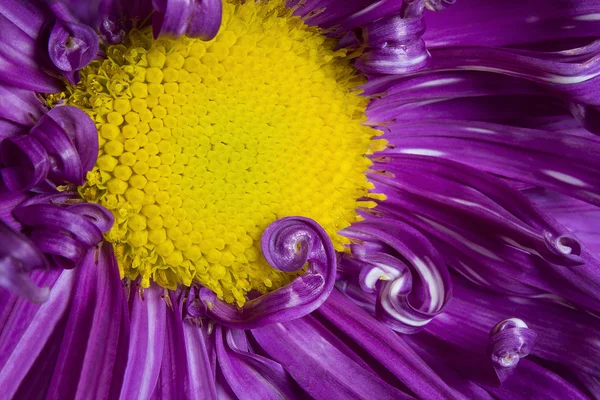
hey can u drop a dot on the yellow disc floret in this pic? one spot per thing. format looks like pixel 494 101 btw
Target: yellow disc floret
pixel 204 144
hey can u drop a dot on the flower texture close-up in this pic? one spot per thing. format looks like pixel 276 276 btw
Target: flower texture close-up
pixel 328 199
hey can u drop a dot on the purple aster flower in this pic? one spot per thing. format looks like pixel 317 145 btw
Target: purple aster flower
pixel 303 199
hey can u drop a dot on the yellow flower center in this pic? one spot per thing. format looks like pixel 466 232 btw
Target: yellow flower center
pixel 204 144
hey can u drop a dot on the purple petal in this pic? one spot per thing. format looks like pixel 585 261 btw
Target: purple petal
pixel 487 252
pixel 394 46
pixel 581 218
pixel 90 12
pixel 173 376
pixel 200 362
pixel 19 105
pixel 31 339
pixel 18 256
pixel 510 340
pixel 250 375
pixel 555 160
pixel 466 190
pixel 72 46
pixel 194 18
pixel 148 319
pixel 565 334
pixel 21 61
pixel 25 162
pixel 410 296
pixel 8 201
pixel 510 22
pixel 338 375
pixel 56 218
pixel 80 318
pixel 287 244
pixel 81 130
pixel 100 358
pixel 389 349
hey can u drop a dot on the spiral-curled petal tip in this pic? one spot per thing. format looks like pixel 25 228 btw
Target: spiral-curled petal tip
pixel 288 244
pixel 72 46
pixel 509 341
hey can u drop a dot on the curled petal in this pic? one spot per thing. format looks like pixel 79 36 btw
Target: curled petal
pixel 111 29
pixel 63 230
pixel 56 218
pixel 287 244
pixel 25 163
pixel 410 295
pixel 194 18
pixel 100 216
pixel 62 146
pixel 394 31
pixel 394 46
pixel 18 256
pixel 81 130
pixel 72 46
pixel 510 340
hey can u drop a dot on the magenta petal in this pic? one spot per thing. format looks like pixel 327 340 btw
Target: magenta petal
pixel 25 162
pixel 72 46
pixel 31 339
pixel 81 130
pixel 510 340
pixel 173 376
pixel 21 57
pixel 303 346
pixel 18 256
pixel 19 105
pixel 201 361
pixel 195 18
pixel 148 319
pixel 77 331
pixel 250 375
pixel 206 19
pixel 386 347
pixel 287 244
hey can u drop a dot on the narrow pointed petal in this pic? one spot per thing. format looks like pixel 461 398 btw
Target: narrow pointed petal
pixel 19 357
pixel 250 375
pixel 86 364
pixel 148 319
pixel 174 368
pixel 338 375
pixel 395 355
pixel 100 365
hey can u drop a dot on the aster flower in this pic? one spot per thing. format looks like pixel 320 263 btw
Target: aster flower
pixel 320 198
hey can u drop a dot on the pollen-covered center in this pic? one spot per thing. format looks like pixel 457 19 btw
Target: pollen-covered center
pixel 204 144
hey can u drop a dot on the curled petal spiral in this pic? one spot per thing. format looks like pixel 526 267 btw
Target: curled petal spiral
pixel 72 46
pixel 414 283
pixel 510 340
pixel 287 244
